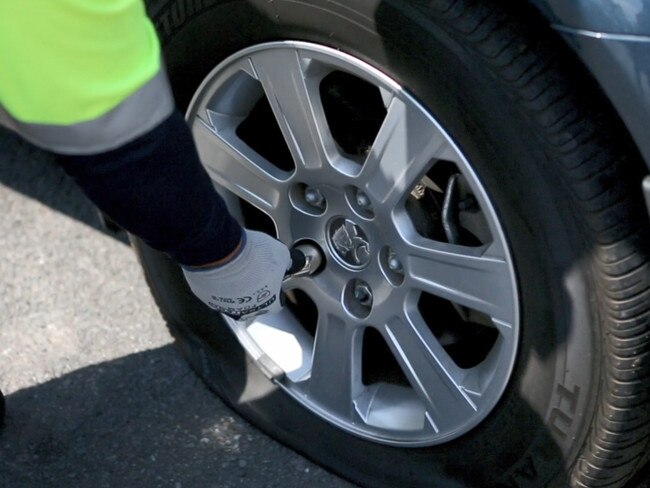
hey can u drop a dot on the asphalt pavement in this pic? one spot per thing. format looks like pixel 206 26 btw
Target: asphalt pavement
pixel 97 395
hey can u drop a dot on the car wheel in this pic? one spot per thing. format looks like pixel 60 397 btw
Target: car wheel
pixel 480 315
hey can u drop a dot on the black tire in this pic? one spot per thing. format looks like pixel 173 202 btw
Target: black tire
pixel 566 183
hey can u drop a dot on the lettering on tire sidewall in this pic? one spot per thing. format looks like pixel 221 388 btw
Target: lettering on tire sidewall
pixel 562 416
pixel 172 17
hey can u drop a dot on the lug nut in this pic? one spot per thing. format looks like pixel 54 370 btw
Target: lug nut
pixel 394 264
pixel 363 294
pixel 362 200
pixel 314 197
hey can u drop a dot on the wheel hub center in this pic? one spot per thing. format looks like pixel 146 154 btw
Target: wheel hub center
pixel 349 243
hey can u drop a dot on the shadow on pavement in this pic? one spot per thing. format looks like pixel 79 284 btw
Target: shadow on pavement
pixel 141 420
pixel 33 172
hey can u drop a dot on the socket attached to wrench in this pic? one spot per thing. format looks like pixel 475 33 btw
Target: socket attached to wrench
pixel 305 260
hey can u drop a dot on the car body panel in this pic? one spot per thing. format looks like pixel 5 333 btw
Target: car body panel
pixel 613 41
pixel 630 17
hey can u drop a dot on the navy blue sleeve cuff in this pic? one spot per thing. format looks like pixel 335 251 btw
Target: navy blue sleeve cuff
pixel 156 188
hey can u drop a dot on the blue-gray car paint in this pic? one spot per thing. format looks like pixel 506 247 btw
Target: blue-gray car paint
pixel 612 38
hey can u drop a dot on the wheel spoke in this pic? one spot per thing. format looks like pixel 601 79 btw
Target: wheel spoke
pixel 237 169
pixel 430 371
pixel 282 77
pixel 336 370
pixel 482 282
pixel 405 145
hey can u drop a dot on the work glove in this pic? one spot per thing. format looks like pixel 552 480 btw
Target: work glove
pixel 249 284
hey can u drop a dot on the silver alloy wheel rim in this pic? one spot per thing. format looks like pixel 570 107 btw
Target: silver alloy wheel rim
pixel 323 372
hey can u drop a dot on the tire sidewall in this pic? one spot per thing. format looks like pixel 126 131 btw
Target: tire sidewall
pixel 536 426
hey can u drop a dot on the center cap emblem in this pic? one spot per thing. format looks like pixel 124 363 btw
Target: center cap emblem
pixel 349 243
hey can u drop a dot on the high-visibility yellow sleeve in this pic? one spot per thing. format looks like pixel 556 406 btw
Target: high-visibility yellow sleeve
pixel 67 61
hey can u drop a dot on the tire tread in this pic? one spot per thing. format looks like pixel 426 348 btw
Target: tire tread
pixel 603 175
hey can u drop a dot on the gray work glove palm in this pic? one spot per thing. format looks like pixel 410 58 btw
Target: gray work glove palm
pixel 249 284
